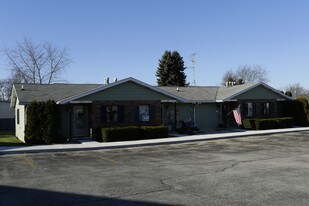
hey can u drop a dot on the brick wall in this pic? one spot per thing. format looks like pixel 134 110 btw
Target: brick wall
pixel 130 110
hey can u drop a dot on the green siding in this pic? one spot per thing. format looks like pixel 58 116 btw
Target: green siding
pixel 126 91
pixel 207 117
pixel 65 121
pixel 185 112
pixel 259 92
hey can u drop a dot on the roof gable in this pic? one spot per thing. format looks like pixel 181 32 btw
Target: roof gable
pixel 253 91
pixel 129 90
pixel 220 94
pixel 143 87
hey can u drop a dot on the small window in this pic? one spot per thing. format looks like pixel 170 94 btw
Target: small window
pixel 249 109
pixel 143 112
pixel 17 119
pixel 111 113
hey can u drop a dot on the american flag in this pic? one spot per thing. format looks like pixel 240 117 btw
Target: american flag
pixel 237 115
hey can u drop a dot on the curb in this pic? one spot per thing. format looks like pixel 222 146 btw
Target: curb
pixel 142 143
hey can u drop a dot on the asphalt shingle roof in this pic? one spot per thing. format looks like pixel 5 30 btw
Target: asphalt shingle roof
pixel 226 92
pixel 207 93
pixel 194 93
pixel 56 92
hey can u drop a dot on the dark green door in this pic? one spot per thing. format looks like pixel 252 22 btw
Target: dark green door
pixel 80 121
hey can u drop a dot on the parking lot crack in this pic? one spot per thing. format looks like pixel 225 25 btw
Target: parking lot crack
pixel 226 168
pixel 145 193
pixel 172 187
pixel 235 164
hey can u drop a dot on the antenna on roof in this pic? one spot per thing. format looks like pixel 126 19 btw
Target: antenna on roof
pixel 192 59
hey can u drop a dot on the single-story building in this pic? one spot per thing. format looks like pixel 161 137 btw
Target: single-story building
pixel 85 107
pixel 7 123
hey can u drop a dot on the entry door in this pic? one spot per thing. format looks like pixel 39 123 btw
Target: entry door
pixel 80 121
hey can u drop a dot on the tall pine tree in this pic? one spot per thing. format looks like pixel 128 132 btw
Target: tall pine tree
pixel 171 70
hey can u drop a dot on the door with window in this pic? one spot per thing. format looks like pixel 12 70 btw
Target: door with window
pixel 80 121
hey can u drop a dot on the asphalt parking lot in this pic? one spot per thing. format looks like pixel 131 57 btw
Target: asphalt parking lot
pixel 260 170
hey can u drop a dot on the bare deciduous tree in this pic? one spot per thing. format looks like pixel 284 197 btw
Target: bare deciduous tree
pixel 297 90
pixel 37 63
pixel 6 87
pixel 3 95
pixel 252 73
pixel 246 74
pixel 229 76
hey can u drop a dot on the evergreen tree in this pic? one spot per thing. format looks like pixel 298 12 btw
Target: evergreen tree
pixel 43 123
pixel 52 122
pixel 171 70
pixel 35 123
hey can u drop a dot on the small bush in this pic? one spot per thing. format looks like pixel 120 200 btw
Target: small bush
pixel 249 123
pixel 271 123
pixel 285 122
pixel 151 132
pixel 113 134
pixel 262 124
pixel 97 134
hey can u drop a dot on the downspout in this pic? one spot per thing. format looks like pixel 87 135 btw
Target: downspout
pixel 194 110
pixel 70 122
pixel 175 116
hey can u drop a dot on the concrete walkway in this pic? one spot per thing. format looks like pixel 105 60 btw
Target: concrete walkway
pixel 92 145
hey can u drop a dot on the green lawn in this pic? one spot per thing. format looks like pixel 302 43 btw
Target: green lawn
pixel 9 140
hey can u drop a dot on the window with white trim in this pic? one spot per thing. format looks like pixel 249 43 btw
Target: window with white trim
pixel 249 109
pixel 143 113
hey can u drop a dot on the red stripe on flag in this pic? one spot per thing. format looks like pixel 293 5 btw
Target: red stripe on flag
pixel 237 116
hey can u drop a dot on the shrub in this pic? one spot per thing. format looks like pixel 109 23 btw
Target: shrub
pixel 261 124
pixel 34 126
pixel 285 122
pixel 43 122
pixel 271 123
pixel 299 110
pixel 305 109
pixel 248 123
pixel 52 122
pixel 121 133
pixel 151 132
pixel 97 134
pixel 132 133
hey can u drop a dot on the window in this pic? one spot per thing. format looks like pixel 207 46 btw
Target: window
pixel 111 113
pixel 249 109
pixel 80 117
pixel 17 119
pixel 143 112
pixel 266 108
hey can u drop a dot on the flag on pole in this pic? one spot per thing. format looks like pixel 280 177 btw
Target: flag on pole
pixel 237 115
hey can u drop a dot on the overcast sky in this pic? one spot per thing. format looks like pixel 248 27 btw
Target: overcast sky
pixel 127 38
